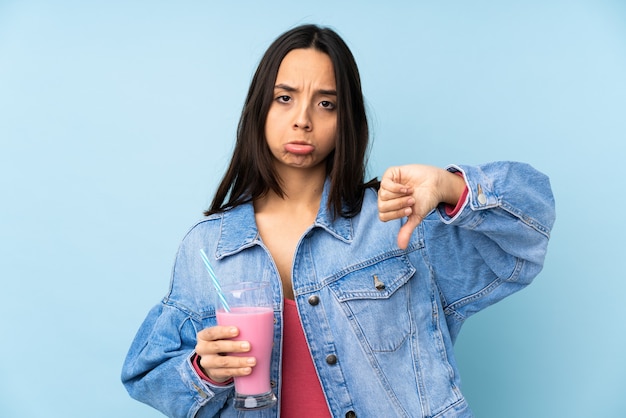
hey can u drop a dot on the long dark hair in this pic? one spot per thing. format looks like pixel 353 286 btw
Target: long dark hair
pixel 251 173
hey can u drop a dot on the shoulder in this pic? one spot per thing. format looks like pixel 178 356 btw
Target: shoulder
pixel 205 229
pixel 204 225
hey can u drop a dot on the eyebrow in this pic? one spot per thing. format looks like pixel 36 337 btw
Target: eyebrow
pixel 290 89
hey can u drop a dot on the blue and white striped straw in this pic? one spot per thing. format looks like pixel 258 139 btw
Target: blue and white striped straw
pixel 216 283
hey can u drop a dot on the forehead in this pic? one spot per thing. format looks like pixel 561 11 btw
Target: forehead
pixel 302 65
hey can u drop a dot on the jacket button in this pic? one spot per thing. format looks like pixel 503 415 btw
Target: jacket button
pixel 482 199
pixel 314 300
pixel 350 414
pixel 331 359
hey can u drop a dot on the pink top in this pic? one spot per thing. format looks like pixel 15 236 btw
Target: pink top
pixel 301 388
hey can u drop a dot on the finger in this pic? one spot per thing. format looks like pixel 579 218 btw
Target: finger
pixel 222 375
pixel 389 215
pixel 390 189
pixel 221 347
pixel 404 235
pixel 227 362
pixel 217 340
pixel 396 208
pixel 387 195
pixel 392 174
pixel 215 362
pixel 222 368
pixel 217 333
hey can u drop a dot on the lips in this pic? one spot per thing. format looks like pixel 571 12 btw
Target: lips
pixel 299 148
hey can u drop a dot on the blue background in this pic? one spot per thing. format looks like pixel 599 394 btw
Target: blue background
pixel 117 119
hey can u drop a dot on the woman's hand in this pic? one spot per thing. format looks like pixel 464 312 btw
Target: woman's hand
pixel 413 191
pixel 212 345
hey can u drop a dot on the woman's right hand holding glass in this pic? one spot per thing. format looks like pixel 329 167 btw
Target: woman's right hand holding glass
pixel 214 347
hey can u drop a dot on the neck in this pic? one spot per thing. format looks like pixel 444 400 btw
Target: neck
pixel 302 189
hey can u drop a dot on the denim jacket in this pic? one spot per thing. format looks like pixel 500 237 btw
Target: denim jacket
pixel 379 351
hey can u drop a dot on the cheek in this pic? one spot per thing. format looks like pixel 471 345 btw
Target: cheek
pixel 271 127
pixel 331 134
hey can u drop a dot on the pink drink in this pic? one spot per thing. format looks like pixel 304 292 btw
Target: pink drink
pixel 256 325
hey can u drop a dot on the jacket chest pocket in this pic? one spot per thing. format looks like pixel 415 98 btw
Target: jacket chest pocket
pixel 375 297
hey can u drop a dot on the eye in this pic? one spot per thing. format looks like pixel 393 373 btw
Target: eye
pixel 283 99
pixel 327 105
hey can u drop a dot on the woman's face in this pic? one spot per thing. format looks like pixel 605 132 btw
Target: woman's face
pixel 301 123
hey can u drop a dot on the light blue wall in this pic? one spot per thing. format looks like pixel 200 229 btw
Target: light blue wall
pixel 117 119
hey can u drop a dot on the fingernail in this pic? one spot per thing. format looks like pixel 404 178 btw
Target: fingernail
pixel 233 330
pixel 245 345
pixel 251 361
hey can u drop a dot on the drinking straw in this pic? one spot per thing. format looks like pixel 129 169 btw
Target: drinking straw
pixel 216 283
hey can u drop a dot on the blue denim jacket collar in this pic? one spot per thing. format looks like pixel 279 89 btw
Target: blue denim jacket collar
pixel 239 230
pixel 340 227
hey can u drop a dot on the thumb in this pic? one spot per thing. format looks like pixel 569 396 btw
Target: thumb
pixel 404 235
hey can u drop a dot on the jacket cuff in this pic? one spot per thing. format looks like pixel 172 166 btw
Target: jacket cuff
pixel 195 362
pixel 450 210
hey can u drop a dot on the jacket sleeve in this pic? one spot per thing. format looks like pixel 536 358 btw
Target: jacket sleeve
pixel 496 244
pixel 158 369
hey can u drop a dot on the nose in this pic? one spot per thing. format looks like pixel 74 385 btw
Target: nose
pixel 302 118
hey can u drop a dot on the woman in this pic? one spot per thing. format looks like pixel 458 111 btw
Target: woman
pixel 372 281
